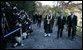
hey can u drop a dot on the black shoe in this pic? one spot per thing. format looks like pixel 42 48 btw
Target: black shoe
pixel 60 36
pixel 72 39
pixel 23 38
pixel 13 46
pixel 26 36
pixel 68 37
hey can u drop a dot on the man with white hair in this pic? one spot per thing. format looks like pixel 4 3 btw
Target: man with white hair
pixel 72 23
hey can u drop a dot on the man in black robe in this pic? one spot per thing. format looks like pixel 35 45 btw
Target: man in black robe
pixel 48 25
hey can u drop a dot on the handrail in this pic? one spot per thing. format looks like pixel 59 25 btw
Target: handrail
pixel 79 26
pixel 12 32
pixel 80 33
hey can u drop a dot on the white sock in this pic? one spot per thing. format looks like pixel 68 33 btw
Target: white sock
pixel 45 34
pixel 22 44
pixel 48 34
pixel 24 35
pixel 15 44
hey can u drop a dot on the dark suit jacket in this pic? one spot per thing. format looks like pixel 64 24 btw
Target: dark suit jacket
pixel 73 21
pixel 61 22
pixel 39 18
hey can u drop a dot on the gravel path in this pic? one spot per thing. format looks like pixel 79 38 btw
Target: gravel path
pixel 38 41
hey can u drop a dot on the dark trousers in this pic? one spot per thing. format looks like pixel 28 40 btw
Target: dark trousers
pixel 59 32
pixel 3 43
pixel 71 31
pixel 39 24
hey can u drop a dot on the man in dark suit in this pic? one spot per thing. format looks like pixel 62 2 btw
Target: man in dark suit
pixel 72 23
pixel 39 20
pixel 34 18
pixel 60 22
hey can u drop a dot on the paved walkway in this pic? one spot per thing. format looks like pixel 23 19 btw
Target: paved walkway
pixel 38 41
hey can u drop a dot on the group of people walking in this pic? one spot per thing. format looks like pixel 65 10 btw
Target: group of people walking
pixel 70 22
pixel 21 18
